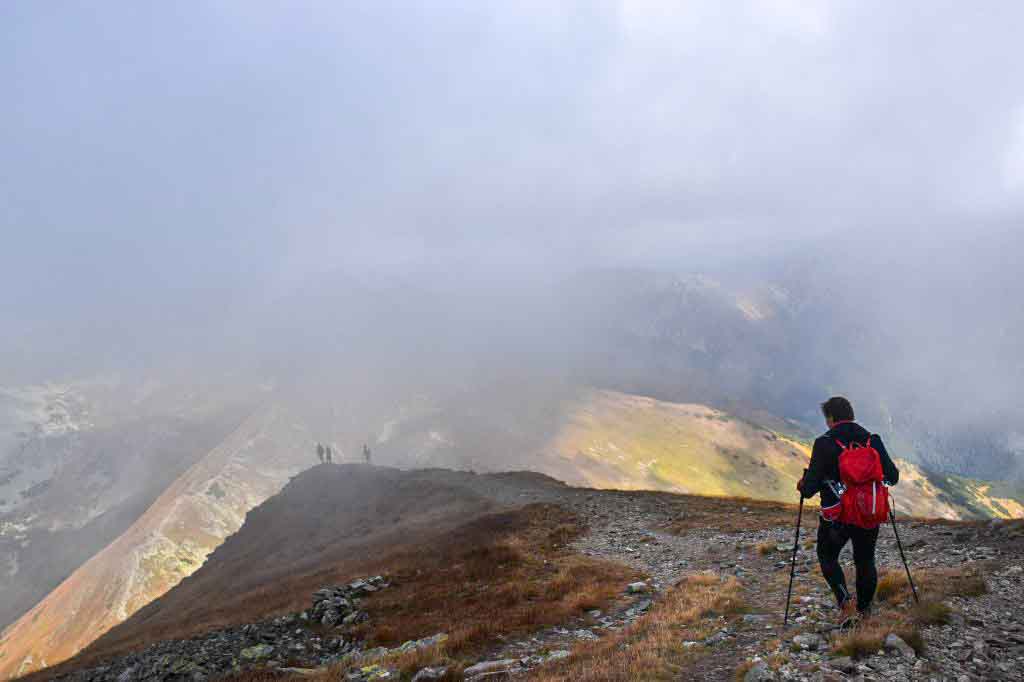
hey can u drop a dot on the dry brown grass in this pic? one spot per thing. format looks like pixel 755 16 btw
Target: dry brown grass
pixel 725 514
pixel 742 669
pixel 868 638
pixel 862 641
pixel 896 612
pixel 934 584
pixel 650 649
pixel 932 613
pixel 766 548
pixel 407 664
pixel 503 574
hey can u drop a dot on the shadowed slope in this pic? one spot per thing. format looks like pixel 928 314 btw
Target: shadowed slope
pixel 328 524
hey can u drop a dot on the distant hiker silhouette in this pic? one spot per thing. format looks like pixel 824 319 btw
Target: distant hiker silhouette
pixel 320 453
pixel 327 453
pixel 851 470
pixel 366 453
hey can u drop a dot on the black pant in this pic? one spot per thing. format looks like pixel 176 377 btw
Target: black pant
pixel 832 537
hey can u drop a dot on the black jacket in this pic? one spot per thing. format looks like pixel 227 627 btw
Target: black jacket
pixel 824 464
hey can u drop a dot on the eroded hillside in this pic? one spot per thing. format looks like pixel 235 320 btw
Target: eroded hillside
pixel 166 543
pixel 75 474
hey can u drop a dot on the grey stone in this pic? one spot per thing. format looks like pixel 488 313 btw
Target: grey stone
pixel 756 618
pixel 429 674
pixel 257 652
pixel 843 664
pixel 489 667
pixel 809 641
pixel 128 675
pixel 895 642
pixel 717 638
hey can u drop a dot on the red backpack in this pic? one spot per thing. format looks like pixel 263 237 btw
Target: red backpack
pixel 865 503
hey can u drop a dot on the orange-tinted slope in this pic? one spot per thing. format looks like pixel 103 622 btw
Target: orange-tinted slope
pixel 169 541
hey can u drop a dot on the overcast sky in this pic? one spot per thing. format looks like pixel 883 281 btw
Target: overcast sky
pixel 188 154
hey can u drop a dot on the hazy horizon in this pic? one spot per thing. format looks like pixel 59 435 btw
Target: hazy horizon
pixel 275 189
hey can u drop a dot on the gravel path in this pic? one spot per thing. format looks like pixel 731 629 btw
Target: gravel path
pixel 984 640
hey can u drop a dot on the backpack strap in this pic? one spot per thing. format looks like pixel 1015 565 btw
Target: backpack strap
pixel 840 444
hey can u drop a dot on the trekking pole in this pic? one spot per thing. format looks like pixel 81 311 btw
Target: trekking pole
pixel 792 563
pixel 892 517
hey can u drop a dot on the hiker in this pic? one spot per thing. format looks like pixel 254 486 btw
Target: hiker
pixel 328 453
pixel 320 452
pixel 850 468
pixel 366 452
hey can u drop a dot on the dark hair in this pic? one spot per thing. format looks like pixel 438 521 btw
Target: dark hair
pixel 838 408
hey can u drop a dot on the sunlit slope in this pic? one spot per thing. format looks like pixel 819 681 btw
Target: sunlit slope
pixel 615 440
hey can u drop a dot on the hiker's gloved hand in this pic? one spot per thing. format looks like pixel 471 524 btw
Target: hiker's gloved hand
pixel 800 485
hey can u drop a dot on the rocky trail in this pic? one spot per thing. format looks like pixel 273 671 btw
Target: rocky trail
pixel 983 639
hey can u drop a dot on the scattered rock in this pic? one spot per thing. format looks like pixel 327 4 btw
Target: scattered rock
pixel 426 674
pixel 638 588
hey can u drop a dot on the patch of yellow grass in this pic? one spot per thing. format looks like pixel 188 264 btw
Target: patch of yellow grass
pixel 933 584
pixel 932 613
pixel 896 612
pixel 650 649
